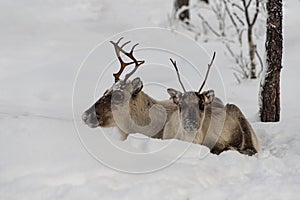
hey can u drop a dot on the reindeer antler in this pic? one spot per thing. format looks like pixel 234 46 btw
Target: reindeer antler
pixel 119 50
pixel 207 72
pixel 178 75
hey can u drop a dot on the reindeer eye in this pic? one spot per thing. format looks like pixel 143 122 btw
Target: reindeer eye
pixel 117 97
pixel 201 106
pixel 180 106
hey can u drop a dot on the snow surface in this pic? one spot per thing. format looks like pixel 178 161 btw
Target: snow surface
pixel 44 43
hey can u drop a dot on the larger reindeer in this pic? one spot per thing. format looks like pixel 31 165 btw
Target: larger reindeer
pixel 126 106
pixel 202 119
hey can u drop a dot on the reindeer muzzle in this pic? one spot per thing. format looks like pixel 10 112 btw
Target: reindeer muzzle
pixel 90 119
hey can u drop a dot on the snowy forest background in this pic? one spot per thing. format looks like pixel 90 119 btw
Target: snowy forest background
pixel 44 43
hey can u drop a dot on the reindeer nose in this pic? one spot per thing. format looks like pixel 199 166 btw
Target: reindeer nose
pixel 191 126
pixel 84 116
pixel 190 129
pixel 90 119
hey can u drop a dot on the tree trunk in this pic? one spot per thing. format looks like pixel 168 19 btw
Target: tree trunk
pixel 185 14
pixel 270 87
pixel 251 54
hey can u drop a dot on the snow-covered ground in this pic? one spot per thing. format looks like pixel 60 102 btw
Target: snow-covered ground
pixel 43 44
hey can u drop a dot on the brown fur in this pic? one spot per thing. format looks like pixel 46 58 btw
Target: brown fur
pixel 137 112
pixel 221 128
pixel 140 115
pixel 236 132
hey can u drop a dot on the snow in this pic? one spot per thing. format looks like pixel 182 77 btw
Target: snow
pixel 47 154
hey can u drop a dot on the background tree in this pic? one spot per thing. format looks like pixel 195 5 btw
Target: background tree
pixel 233 22
pixel 181 8
pixel 270 85
pixel 250 23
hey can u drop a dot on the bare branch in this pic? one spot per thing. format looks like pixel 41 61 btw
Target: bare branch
pixel 208 25
pixel 232 32
pixel 256 13
pixel 238 18
pixel 260 61
pixel 246 13
pixel 237 70
pixel 238 7
pixel 241 36
pixel 231 17
pixel 248 4
pixel 239 61
pixel 237 78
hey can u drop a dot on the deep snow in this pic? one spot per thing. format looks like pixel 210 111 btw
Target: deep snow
pixel 43 44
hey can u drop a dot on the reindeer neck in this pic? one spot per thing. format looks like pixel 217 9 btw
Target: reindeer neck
pixel 139 107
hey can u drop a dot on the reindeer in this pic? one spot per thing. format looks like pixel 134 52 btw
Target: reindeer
pixel 126 106
pixel 202 118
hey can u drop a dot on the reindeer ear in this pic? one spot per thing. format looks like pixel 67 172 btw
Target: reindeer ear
pixel 209 96
pixel 137 86
pixel 174 95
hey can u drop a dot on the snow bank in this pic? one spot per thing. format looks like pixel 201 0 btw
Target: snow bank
pixel 43 44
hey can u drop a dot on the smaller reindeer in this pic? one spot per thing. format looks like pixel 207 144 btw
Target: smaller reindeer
pixel 126 106
pixel 202 118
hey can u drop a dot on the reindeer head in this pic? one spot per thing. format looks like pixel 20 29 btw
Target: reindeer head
pixel 191 107
pixel 100 113
pixel 191 104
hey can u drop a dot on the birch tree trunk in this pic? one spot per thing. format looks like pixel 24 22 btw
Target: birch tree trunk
pixel 270 85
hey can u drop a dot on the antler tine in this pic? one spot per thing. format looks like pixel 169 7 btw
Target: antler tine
pixel 132 49
pixel 121 38
pixel 207 72
pixel 123 45
pixel 137 64
pixel 119 50
pixel 178 75
pixel 122 63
